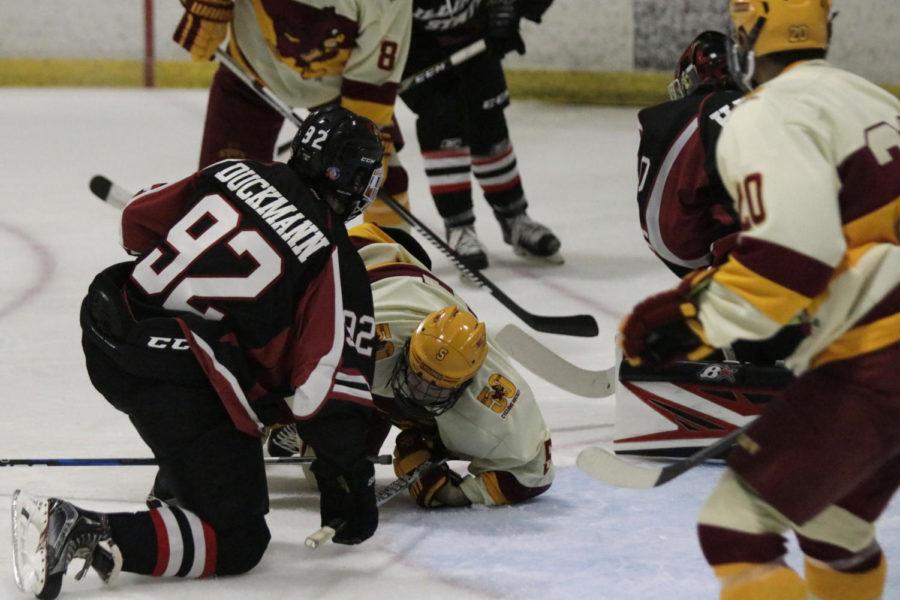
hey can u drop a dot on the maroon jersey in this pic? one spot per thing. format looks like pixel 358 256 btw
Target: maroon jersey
pixel 683 207
pixel 271 297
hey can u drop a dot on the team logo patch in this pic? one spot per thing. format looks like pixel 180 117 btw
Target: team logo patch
pixel 499 395
pixel 333 173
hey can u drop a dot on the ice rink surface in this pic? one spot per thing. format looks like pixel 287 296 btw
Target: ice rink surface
pixel 580 540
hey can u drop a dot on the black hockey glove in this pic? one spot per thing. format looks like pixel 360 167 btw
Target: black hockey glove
pixel 503 28
pixel 534 10
pixel 347 501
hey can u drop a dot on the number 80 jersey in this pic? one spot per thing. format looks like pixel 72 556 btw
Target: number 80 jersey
pixel 271 296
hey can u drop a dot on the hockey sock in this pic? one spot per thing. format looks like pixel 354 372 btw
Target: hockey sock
pixel 183 545
pixel 754 581
pixel 498 175
pixel 829 584
pixel 449 177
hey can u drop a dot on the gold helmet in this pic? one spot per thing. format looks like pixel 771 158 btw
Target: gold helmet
pixel 442 356
pixel 761 27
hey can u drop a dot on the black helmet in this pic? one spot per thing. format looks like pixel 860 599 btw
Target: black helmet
pixel 702 66
pixel 340 151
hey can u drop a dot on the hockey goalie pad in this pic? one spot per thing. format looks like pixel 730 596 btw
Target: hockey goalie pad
pixel 672 411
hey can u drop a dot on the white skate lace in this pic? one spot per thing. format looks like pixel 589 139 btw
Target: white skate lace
pixel 525 232
pixel 464 241
pixel 287 438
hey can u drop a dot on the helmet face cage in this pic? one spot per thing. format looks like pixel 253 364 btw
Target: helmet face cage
pixel 417 397
pixel 703 64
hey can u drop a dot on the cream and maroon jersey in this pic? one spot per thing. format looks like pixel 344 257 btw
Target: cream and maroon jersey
pixel 812 162
pixel 312 52
pixel 496 424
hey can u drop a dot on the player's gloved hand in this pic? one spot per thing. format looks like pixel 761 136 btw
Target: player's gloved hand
pixel 664 327
pixel 534 10
pixel 347 501
pixel 503 28
pixel 203 26
pixel 413 449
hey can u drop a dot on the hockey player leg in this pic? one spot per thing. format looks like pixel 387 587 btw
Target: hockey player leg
pixel 826 583
pixel 843 558
pixel 741 537
pixel 238 124
pixel 494 162
pixel 443 132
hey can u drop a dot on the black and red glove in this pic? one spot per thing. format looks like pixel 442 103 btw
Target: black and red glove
pixel 664 327
pixel 203 26
pixel 347 501
pixel 503 28
pixel 415 448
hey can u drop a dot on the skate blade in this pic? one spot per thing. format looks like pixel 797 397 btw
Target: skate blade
pixel 554 259
pixel 29 530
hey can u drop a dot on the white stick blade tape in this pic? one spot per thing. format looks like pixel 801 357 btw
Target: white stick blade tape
pixel 603 466
pixel 321 536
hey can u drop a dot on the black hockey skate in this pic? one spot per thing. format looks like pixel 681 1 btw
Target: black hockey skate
pixel 284 441
pixel 530 239
pixel 465 243
pixel 48 533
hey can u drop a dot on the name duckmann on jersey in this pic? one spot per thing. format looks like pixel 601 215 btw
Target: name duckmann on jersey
pixel 303 237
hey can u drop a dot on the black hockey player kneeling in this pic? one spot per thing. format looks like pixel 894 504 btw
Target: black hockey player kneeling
pixel 239 314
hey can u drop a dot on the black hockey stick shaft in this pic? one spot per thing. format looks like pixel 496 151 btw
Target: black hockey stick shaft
pixel 576 325
pixel 714 450
pixel 428 73
pixel 382 459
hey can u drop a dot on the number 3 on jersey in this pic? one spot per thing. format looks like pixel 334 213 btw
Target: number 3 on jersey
pixel 190 244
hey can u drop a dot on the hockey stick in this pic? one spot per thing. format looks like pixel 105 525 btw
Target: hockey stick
pixel 381 459
pixel 577 325
pixel 607 467
pixel 326 532
pixel 428 73
pixel 553 368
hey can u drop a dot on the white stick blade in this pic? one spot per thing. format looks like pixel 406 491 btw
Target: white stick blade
pixel 552 368
pixel 604 466
pixel 316 539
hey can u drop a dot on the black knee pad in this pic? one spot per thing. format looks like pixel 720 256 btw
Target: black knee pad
pixel 241 549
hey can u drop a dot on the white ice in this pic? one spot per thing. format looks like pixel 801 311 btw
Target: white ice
pixel 579 540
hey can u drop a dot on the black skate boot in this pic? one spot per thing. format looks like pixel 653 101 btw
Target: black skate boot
pixel 465 243
pixel 285 441
pixel 530 239
pixel 48 533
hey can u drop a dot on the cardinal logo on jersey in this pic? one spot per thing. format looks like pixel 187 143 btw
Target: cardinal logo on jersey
pixel 499 395
pixel 315 42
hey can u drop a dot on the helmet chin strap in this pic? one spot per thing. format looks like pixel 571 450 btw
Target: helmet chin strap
pixel 742 60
